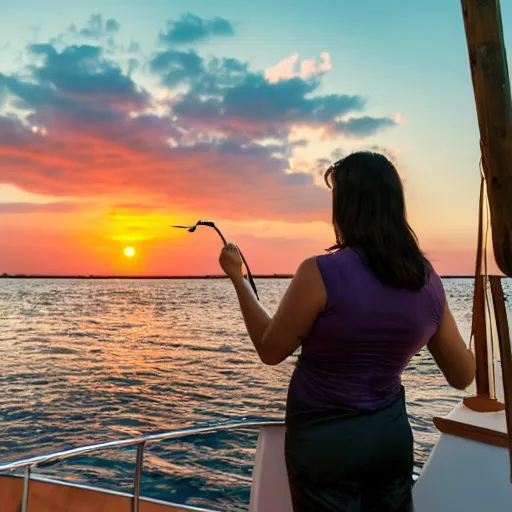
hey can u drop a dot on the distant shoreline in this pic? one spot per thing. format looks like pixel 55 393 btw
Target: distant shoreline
pixel 260 276
pixel 36 276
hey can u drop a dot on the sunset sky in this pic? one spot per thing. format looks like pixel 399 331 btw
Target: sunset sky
pixel 118 119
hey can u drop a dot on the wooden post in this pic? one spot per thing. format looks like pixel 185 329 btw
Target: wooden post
pixel 479 329
pixel 506 353
pixel 491 84
pixel 479 324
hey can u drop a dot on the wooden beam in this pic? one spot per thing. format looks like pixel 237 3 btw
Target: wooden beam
pixel 479 434
pixel 491 84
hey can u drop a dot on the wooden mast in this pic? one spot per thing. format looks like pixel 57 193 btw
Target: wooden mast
pixel 491 84
pixel 488 61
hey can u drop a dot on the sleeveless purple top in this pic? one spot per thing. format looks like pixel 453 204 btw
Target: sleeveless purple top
pixel 361 343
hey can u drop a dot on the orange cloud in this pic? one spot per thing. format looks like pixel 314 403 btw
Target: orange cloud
pixel 87 159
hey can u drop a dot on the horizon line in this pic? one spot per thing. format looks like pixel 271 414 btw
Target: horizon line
pixel 173 277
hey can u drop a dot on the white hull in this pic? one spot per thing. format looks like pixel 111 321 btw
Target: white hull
pixel 466 475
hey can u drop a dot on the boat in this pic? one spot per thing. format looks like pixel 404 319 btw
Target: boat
pixel 470 467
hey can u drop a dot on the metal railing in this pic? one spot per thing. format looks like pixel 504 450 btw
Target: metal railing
pixel 140 442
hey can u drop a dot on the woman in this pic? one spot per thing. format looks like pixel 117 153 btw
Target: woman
pixel 360 313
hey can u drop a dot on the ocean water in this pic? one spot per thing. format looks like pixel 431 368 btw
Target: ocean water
pixel 85 361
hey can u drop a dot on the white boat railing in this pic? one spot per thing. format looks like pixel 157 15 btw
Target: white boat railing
pixel 140 442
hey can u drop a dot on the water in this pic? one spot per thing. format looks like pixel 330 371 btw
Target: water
pixel 85 361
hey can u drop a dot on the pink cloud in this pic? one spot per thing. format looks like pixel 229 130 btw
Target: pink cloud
pixel 27 208
pixel 291 67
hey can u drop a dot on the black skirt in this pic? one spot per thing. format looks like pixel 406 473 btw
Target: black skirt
pixel 349 461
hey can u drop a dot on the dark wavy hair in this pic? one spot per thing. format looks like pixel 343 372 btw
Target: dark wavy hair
pixel 369 215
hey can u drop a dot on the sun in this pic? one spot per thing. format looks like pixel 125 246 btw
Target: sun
pixel 129 252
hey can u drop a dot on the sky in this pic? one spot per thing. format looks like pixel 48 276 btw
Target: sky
pixel 120 119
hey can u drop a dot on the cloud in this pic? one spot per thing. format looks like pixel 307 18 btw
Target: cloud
pixel 317 167
pixel 337 154
pixel 88 158
pixel 255 108
pixel 389 153
pixel 364 126
pixel 190 29
pixel 176 67
pixel 83 70
pixel 112 26
pixel 23 208
pixel 210 78
pixel 131 207
pixel 290 68
pixel 78 78
pixel 98 30
pixel 218 145
pixel 223 96
pixel 96 27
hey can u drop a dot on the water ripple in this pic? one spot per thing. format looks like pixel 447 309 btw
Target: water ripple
pixel 88 361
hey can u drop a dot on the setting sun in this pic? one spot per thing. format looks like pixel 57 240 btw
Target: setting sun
pixel 129 252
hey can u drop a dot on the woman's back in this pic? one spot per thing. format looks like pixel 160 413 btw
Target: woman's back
pixel 359 316
pixel 360 344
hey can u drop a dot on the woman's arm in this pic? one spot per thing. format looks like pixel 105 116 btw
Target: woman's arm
pixel 451 354
pixel 256 318
pixel 276 338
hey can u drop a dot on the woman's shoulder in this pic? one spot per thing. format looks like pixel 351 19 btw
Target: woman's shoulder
pixel 434 282
pixel 340 260
pixel 338 256
pixel 336 267
pixel 435 289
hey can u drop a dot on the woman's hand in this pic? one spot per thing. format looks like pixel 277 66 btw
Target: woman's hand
pixel 231 262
